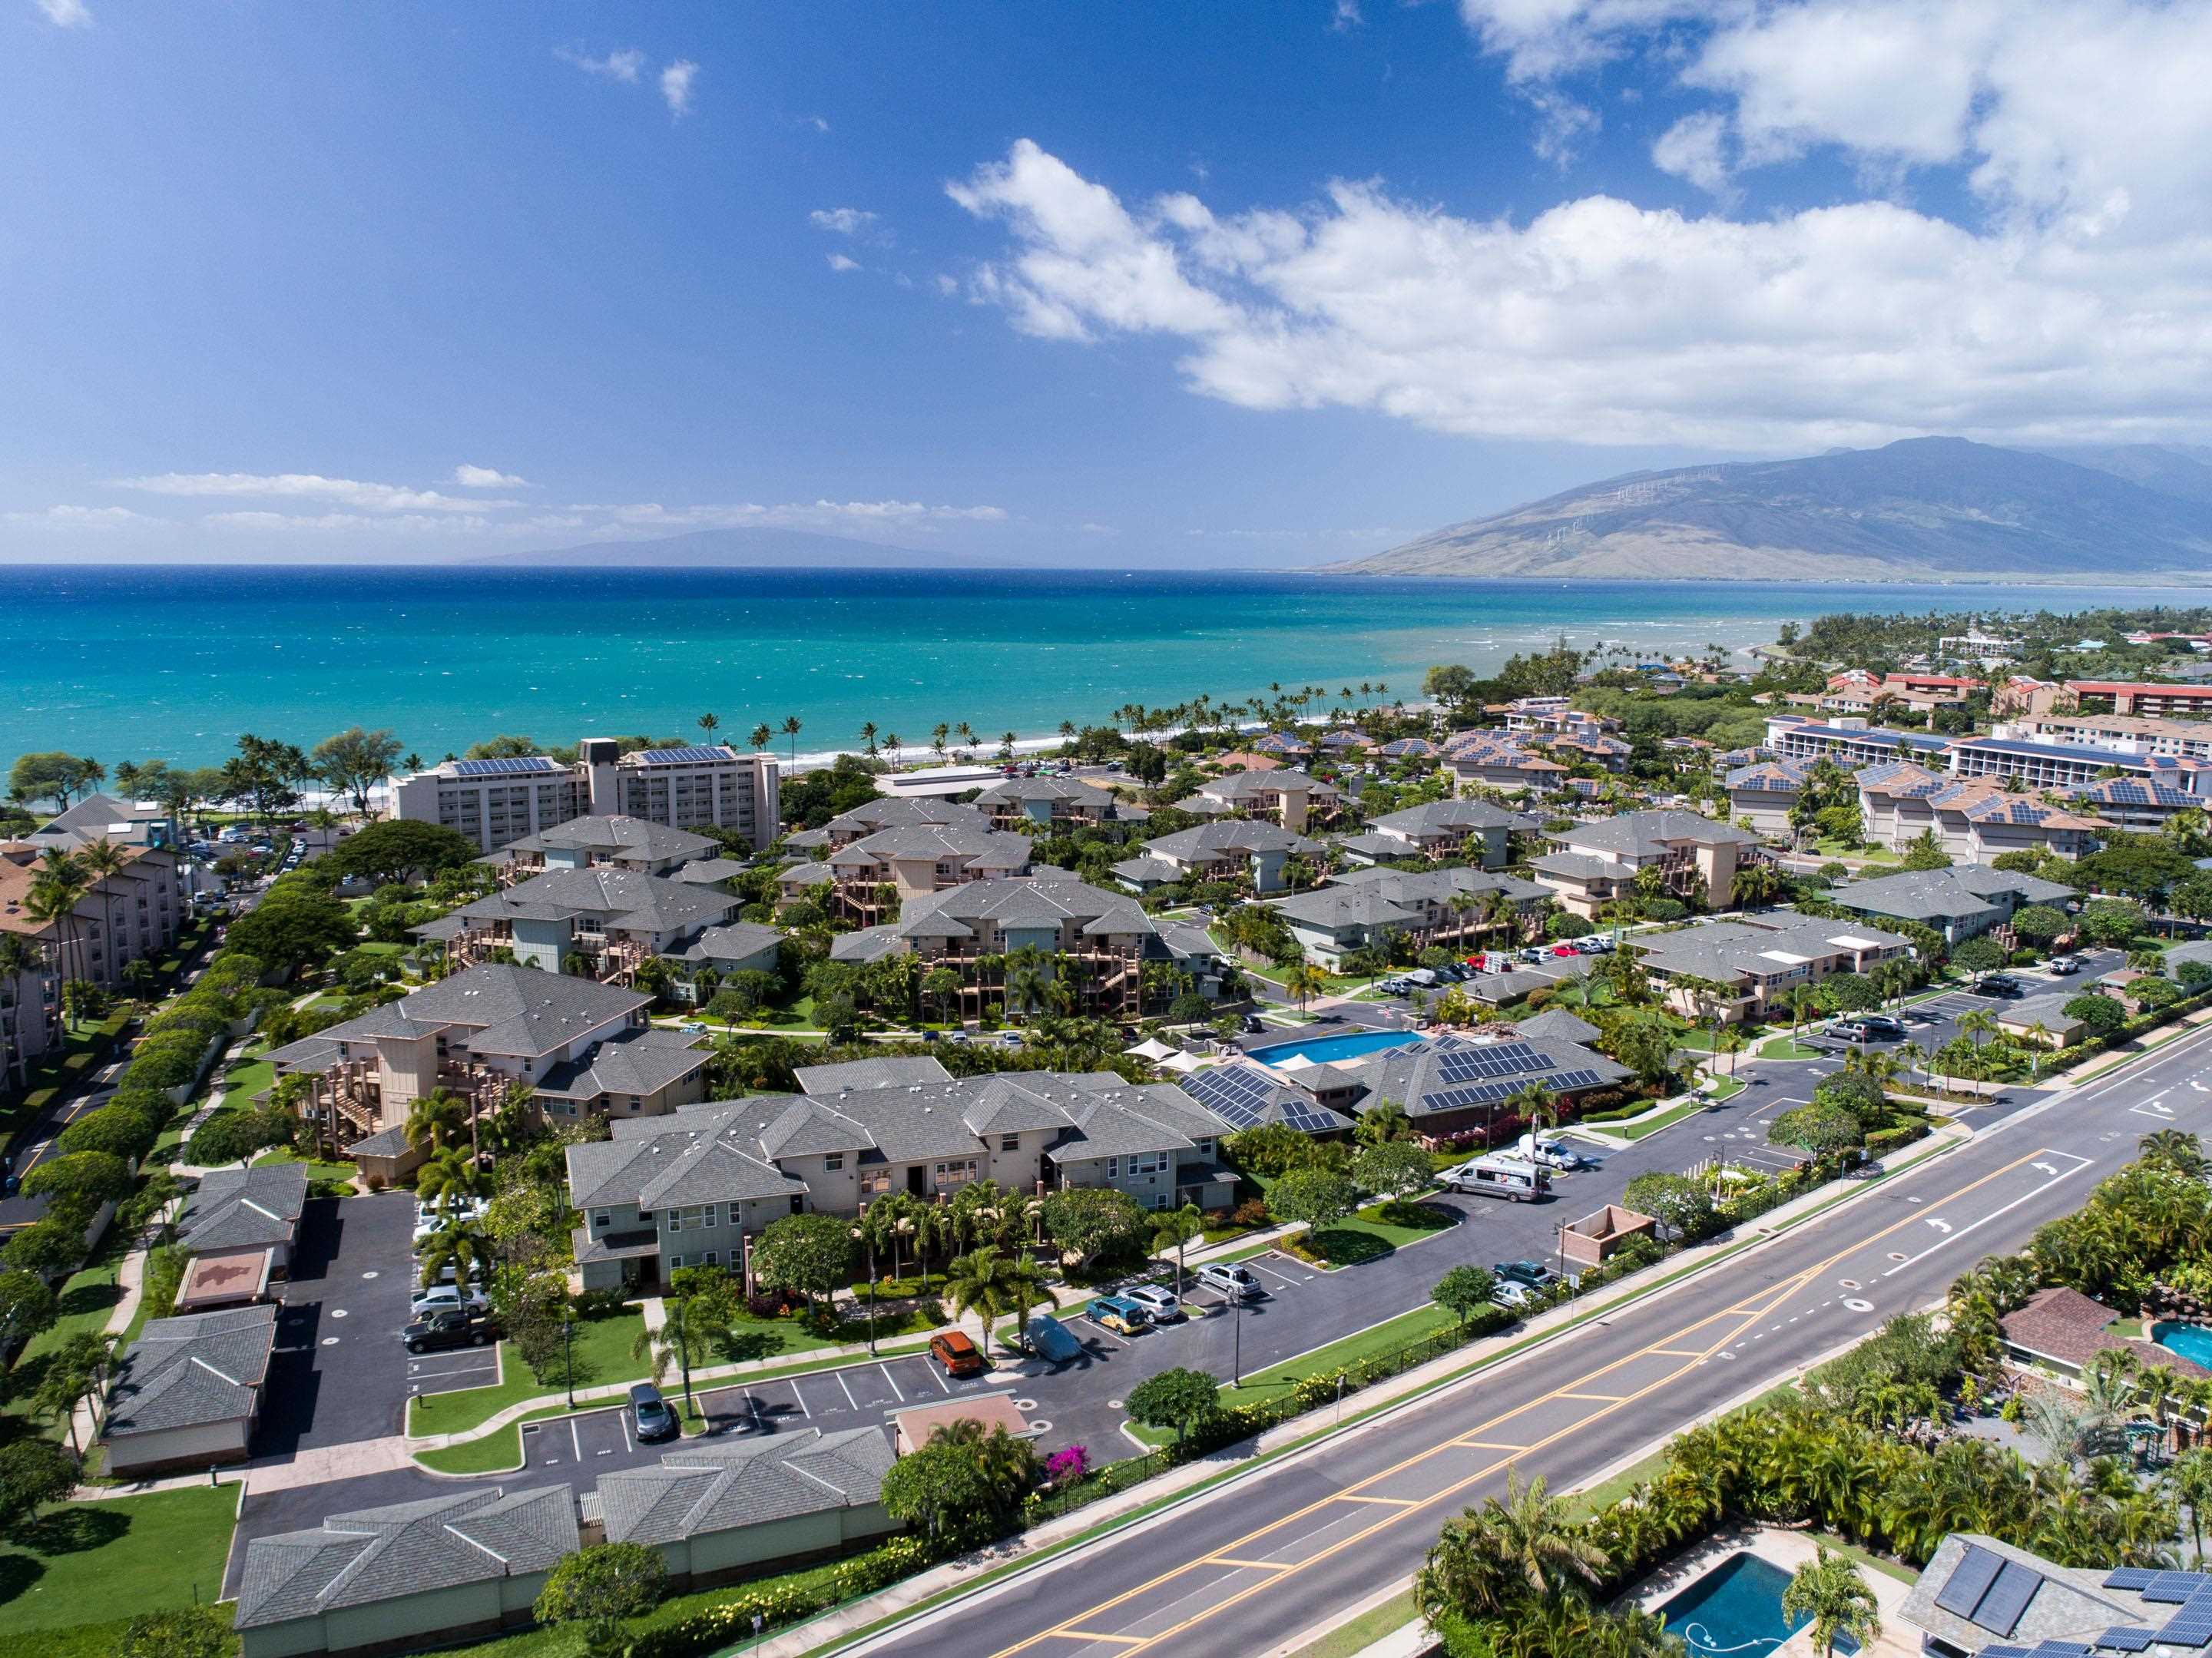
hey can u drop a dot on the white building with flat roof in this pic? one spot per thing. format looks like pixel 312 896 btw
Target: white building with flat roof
pixel 497 802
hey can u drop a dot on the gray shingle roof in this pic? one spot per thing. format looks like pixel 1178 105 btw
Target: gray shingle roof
pixel 1648 833
pixel 704 1154
pixel 623 898
pixel 1964 889
pixel 821 1081
pixel 972 847
pixel 244 1208
pixel 732 943
pixel 1238 785
pixel 707 871
pixel 1232 837
pixel 512 1009
pixel 1557 1024
pixel 1334 907
pixel 868 943
pixel 620 837
pixel 1451 817
pixel 731 1484
pixel 374 1555
pixel 1415 1075
pixel 637 1062
pixel 191 1370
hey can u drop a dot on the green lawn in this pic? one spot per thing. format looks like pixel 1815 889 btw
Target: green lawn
pixel 1786 1047
pixel 603 1347
pixel 332 1171
pixel 1279 1379
pixel 242 1082
pixel 1653 1125
pixel 1350 1639
pixel 98 1563
pixel 1726 1088
pixel 85 1302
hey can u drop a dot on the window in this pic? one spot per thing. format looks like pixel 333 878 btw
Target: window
pixel 602 1218
pixel 645 1214
pixel 1160 1200
pixel 675 1265
pixel 834 1160
pixel 713 1259
pixel 1205 1148
pixel 676 1220
pixel 1009 1142
pixel 1112 1168
pixel 875 1184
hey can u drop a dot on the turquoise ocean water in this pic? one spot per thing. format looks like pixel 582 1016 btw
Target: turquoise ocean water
pixel 170 663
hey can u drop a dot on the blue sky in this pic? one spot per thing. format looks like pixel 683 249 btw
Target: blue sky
pixel 1136 283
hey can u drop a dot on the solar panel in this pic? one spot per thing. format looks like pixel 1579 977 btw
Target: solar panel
pixel 2187 1629
pixel 1507 1060
pixel 692 755
pixel 1970 1581
pixel 515 766
pixel 1568 1080
pixel 2173 1588
pixel 2130 1577
pixel 2124 1640
pixel 2008 1597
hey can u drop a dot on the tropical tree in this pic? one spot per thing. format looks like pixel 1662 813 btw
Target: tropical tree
pixel 1179 1398
pixel 791 729
pixel 450 1180
pixel 1828 1590
pixel 466 1249
pixel 1304 981
pixel 989 1282
pixel 102 861
pixel 435 1117
pixel 1174 1229
pixel 1464 1292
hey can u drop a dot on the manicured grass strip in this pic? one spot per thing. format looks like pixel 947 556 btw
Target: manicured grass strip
pixel 84 1563
pixel 1726 1088
pixel 1653 1125
pixel 1347 1640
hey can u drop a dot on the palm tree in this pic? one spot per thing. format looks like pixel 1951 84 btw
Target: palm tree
pixel 2190 1483
pixel 432 1116
pixel 1025 979
pixel 791 730
pixel 868 738
pixel 450 1180
pixel 938 734
pixel 1538 1541
pixel 966 734
pixel 466 1249
pixel 706 723
pixel 989 1282
pixel 102 861
pixel 19 958
pixel 1304 981
pixel 1174 1229
pixel 686 1338
pixel 1978 1024
pixel 1828 1590
pixel 52 900
pixel 760 735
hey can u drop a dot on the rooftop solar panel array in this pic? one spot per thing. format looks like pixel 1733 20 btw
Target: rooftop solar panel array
pixel 1242 1097
pixel 2008 1597
pixel 1970 1581
pixel 2134 1579
pixel 518 766
pixel 696 754
pixel 1504 1060
pixel 2124 1640
pixel 2168 1587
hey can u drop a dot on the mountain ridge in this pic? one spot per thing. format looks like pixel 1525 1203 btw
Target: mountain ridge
pixel 1918 510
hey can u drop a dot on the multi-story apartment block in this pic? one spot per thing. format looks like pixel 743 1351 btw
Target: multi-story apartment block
pixel 2130 697
pixel 885 812
pixel 2123 733
pixel 1291 799
pixel 1759 960
pixel 498 801
pixel 1761 795
pixel 1500 761
pixel 1101 940
pixel 698 1188
pixel 1450 908
pixel 873 879
pixel 611 918
pixel 134 915
pixel 1850 744
pixel 31 1000
pixel 1597 863
pixel 1440 829
pixel 637 845
pixel 580 1046
pixel 2062 766
pixel 1972 818
pixel 1227 849
pixel 1045 802
pixel 1958 902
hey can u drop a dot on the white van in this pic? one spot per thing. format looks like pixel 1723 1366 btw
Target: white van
pixel 1499 1175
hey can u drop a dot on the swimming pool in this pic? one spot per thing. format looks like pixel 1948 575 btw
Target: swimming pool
pixel 1734 1611
pixel 2192 1341
pixel 1322 1050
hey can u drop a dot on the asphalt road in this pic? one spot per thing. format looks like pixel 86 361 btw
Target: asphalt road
pixel 1256 1563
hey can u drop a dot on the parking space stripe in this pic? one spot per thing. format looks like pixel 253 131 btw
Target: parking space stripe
pixel 801 1398
pixel 938 1376
pixel 577 1438
pixel 893 1379
pixel 849 1399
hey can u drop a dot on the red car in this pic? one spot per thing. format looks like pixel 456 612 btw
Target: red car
pixel 1564 949
pixel 957 1353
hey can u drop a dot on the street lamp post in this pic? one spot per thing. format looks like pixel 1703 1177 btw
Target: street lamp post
pixel 684 1355
pixel 1237 1359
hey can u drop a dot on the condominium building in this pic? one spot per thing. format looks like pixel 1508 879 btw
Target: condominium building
pixel 2132 696
pixel 610 919
pixel 1597 863
pixel 2123 733
pixel 1290 798
pixel 1850 744
pixel 1757 960
pixel 2065 766
pixel 497 802
pixel 698 1188
pixel 1229 849
pixel 1762 795
pixel 1450 908
pixel 134 915
pixel 1440 829
pixel 1974 819
pixel 578 1046
pixel 873 878
pixel 1958 902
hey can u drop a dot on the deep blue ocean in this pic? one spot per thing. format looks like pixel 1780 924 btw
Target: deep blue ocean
pixel 172 663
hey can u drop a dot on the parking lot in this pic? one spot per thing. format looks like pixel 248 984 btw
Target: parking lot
pixel 339 1374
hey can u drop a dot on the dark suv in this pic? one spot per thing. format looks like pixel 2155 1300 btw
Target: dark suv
pixel 1525 1271
pixel 454 1327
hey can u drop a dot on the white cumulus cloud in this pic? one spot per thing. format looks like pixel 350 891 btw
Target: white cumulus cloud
pixel 306 486
pixel 345 523
pixel 2065 314
pixel 625 64
pixel 840 264
pixel 675 86
pixel 84 517
pixel 487 477
pixel 66 14
pixel 842 221
pixel 817 514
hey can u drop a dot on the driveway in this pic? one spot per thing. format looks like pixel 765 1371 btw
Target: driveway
pixel 339 1375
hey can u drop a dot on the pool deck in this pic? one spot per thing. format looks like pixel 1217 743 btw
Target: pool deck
pixel 1788 1550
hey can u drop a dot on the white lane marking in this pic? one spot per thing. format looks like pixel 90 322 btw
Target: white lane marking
pixel 1942 1226
pixel 622 1417
pixel 893 1379
pixel 849 1399
pixel 801 1398
pixel 2079 1164
pixel 936 1374
pixel 577 1438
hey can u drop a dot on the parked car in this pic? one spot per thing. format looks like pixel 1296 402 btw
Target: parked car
pixel 1886 1027
pixel 1225 1279
pixel 1510 1293
pixel 1050 1340
pixel 1532 953
pixel 958 1354
pixel 2065 966
pixel 1565 949
pixel 1536 1277
pixel 650 1418
pixel 1552 1154
pixel 1158 1301
pixel 1120 1313
pixel 457 1327
pixel 442 1297
pixel 1997 984
pixel 1849 1030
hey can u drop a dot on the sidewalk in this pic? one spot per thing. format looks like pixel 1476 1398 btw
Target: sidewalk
pixel 130 1278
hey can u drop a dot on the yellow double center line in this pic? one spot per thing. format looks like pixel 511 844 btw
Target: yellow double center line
pixel 1249 1552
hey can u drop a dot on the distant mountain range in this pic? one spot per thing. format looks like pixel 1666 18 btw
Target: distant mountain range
pixel 753 547
pixel 1926 509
